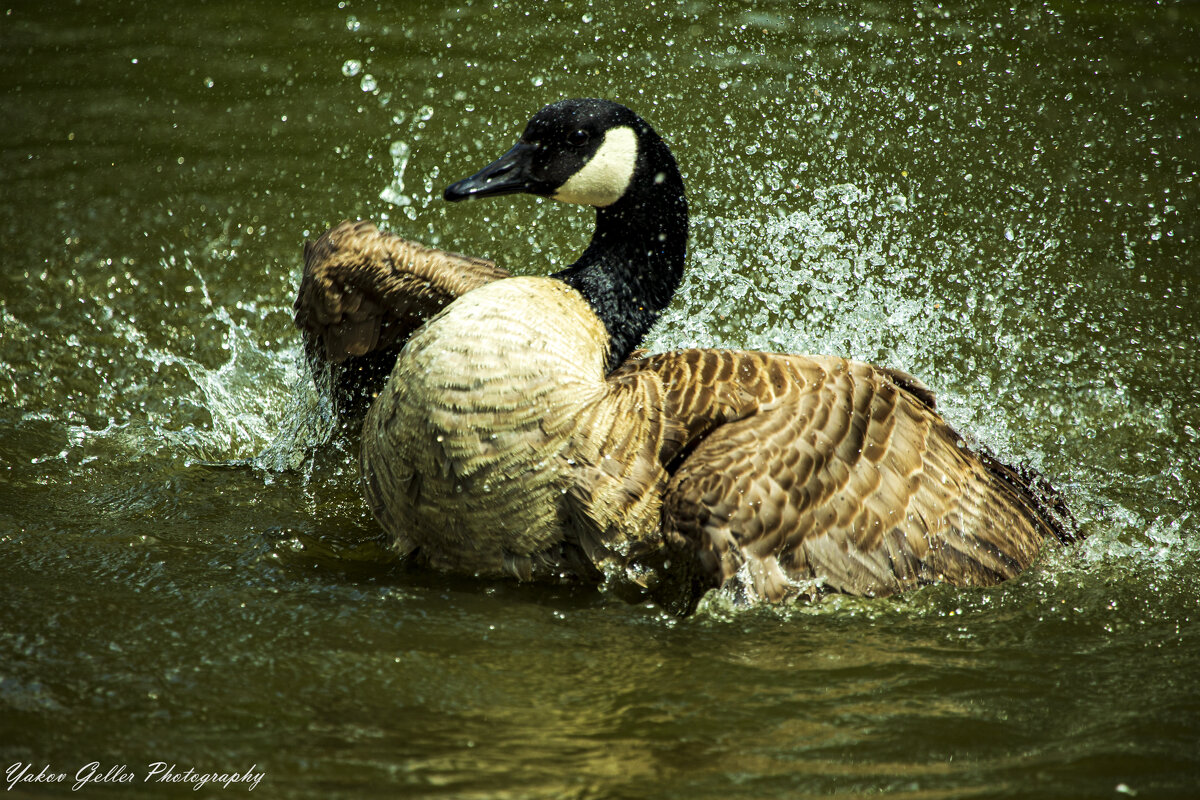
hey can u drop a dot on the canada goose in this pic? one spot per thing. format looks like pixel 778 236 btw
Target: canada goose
pixel 519 434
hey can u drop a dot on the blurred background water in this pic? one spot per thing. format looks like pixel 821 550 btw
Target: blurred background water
pixel 1000 198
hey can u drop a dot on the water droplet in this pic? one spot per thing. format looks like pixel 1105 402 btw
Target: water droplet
pixel 352 24
pixel 351 67
pixel 394 192
pixel 368 84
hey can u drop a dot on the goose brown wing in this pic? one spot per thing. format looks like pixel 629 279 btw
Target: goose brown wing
pixel 364 289
pixel 799 475
pixel 364 292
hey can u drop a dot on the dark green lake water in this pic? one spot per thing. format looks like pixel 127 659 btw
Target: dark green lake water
pixel 1003 199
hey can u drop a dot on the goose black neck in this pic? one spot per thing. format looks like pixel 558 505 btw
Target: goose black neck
pixel 634 264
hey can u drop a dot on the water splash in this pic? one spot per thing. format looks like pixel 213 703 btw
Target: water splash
pixel 394 192
pixel 257 404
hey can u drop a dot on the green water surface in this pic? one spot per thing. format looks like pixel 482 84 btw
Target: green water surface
pixel 1001 198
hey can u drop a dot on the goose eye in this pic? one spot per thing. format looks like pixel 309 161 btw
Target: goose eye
pixel 577 138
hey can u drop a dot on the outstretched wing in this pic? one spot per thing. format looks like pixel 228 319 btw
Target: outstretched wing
pixel 799 475
pixel 364 292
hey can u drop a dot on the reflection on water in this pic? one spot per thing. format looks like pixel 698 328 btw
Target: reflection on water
pixel 999 199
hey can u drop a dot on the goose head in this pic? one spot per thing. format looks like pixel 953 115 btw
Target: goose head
pixel 577 151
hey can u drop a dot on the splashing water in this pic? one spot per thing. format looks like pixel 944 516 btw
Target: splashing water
pixel 394 192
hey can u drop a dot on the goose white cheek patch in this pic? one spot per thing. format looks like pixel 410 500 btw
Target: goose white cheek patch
pixel 606 176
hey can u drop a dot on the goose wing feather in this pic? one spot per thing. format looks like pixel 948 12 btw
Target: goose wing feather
pixel 363 294
pixel 364 290
pixel 797 475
